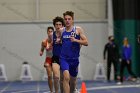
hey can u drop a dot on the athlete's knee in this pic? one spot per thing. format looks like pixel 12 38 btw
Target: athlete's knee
pixel 56 78
pixel 66 78
pixel 49 76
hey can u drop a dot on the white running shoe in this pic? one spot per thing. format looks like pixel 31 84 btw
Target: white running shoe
pixel 76 91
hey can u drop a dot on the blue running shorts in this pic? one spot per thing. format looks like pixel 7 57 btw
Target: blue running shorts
pixel 71 65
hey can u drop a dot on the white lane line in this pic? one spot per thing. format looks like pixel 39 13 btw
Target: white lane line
pixel 4 89
pixel 113 87
pixel 38 87
pixel 27 91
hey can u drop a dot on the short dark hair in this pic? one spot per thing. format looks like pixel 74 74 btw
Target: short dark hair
pixel 50 27
pixel 70 13
pixel 58 19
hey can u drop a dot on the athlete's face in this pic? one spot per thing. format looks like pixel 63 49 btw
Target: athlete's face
pixel 68 20
pixel 50 32
pixel 58 25
pixel 125 41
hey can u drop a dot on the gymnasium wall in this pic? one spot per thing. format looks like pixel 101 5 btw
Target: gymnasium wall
pixel 46 10
pixel 21 41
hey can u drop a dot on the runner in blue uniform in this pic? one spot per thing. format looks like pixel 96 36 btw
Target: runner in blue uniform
pixel 72 39
pixel 58 23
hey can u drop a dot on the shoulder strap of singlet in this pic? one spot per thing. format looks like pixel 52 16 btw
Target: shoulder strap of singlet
pixel 74 28
pixel 64 29
pixel 45 42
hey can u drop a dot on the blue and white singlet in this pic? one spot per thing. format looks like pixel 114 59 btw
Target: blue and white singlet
pixel 70 50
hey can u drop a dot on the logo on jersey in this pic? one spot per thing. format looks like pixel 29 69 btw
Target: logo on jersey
pixel 73 34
